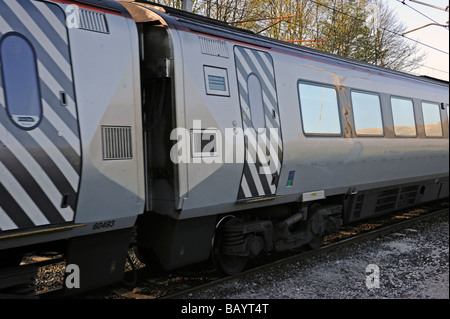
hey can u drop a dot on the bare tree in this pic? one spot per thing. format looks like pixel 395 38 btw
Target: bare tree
pixel 366 30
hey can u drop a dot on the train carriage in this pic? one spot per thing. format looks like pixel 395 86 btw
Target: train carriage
pixel 127 123
pixel 70 141
pixel 266 133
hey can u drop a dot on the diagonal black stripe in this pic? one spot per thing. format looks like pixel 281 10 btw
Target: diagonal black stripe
pixel 68 152
pixel 13 210
pixel 46 26
pixel 250 182
pixel 255 70
pixel 40 156
pixel 53 100
pixel 266 108
pixel 30 186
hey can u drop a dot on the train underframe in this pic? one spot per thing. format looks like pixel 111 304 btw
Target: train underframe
pixel 231 240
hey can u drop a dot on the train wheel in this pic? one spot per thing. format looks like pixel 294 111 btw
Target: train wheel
pixel 229 265
pixel 316 227
pixel 316 242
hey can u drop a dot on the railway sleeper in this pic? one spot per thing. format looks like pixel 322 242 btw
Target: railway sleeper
pixel 250 238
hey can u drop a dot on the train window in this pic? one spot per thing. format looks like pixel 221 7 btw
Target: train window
pixel 367 114
pixel 255 98
pixel 319 109
pixel 216 81
pixel 20 80
pixel 403 116
pixel 432 119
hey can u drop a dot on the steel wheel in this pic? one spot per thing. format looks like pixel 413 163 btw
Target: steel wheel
pixel 229 265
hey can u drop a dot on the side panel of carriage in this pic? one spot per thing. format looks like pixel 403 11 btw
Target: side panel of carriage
pixel 40 153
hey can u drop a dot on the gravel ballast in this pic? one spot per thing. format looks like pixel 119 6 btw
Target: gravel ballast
pixel 412 264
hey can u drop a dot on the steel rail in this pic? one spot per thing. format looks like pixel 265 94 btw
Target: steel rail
pixel 370 235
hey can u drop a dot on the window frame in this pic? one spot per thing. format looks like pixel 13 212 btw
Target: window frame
pixel 209 70
pixel 338 104
pixel 416 135
pixel 37 79
pixel 440 118
pixel 380 107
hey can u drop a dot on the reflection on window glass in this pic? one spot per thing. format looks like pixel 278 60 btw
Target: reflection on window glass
pixel 403 116
pixel 367 114
pixel 256 102
pixel 432 119
pixel 446 126
pixel 319 109
pixel 20 80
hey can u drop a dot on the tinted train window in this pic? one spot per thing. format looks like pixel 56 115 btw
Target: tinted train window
pixel 20 80
pixel 367 114
pixel 432 119
pixel 403 116
pixel 319 109
pixel 255 98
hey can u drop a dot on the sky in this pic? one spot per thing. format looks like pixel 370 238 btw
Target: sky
pixel 436 64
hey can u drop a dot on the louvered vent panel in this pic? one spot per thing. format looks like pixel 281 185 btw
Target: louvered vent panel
pixel 408 196
pixel 116 142
pixel 93 21
pixel 214 47
pixel 358 206
pixel 386 200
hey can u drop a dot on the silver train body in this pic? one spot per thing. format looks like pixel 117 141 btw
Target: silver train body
pixel 126 123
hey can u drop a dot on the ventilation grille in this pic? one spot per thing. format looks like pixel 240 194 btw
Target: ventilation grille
pixel 214 47
pixel 92 21
pixel 358 206
pixel 116 142
pixel 408 196
pixel 386 200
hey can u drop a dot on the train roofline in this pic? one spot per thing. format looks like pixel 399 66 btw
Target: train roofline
pixel 189 21
pixel 109 6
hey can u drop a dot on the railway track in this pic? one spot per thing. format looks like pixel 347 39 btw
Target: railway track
pixel 148 283
pixel 333 244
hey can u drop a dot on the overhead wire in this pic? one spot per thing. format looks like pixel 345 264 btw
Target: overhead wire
pixel 358 19
pixel 382 28
pixel 421 13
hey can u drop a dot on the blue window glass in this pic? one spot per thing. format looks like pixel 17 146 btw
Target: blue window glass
pixel 256 102
pixel 319 109
pixel 432 119
pixel 20 80
pixel 403 116
pixel 367 114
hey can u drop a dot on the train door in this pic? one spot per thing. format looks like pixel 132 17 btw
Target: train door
pixel 39 135
pixel 261 123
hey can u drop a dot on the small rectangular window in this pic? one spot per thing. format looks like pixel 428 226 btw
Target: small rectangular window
pixel 432 119
pixel 367 114
pixel 319 109
pixel 216 81
pixel 403 116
